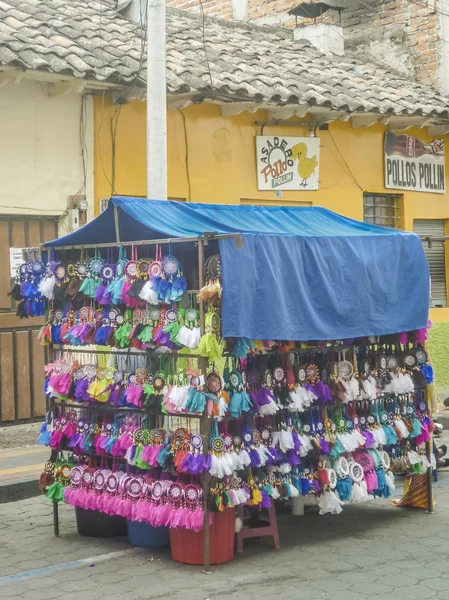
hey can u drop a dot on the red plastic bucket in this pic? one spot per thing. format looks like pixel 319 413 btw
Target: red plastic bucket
pixel 188 546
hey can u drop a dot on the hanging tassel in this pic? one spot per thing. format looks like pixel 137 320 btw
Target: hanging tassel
pixel 329 503
pixel 46 287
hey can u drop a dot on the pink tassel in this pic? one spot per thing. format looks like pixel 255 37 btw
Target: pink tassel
pixel 371 482
pixel 403 338
pixel 70 430
pixel 64 384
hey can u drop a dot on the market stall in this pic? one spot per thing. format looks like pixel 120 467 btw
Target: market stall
pixel 212 357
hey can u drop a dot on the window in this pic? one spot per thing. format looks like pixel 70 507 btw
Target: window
pixel 380 209
pixel 435 253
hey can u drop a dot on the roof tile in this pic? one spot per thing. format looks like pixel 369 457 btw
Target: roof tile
pixel 89 39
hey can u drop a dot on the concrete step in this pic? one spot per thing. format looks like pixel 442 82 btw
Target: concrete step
pixel 20 469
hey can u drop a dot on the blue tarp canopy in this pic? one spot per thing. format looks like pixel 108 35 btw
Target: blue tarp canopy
pixel 302 274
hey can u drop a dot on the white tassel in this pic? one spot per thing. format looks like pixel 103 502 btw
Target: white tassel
pixel 390 480
pixel 238 525
pixel 414 458
pixel 245 458
pixel 379 436
pixel 184 336
pixel 263 453
pixel 179 396
pixel 268 409
pixel 275 494
pixel 228 463
pixel 148 294
pixel 285 468
pixel 293 491
pixel 311 397
pixel 47 286
pixel 425 463
pixel 352 389
pixel 347 441
pixel 222 407
pixel 409 386
pixel 194 338
pixel 359 440
pixel 128 457
pixel 286 440
pixel 296 401
pixel 330 503
pixel 402 428
pixel 306 445
pixel 433 461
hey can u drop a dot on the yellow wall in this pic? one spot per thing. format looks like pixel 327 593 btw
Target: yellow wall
pixel 222 165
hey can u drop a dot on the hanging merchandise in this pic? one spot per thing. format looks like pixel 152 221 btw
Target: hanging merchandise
pixel 211 291
pixel 158 415
pixel 210 345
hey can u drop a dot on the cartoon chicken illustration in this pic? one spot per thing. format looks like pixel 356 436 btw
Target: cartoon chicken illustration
pixel 306 166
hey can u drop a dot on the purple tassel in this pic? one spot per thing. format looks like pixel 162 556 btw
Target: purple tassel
pixel 324 446
pixel 266 502
pixel 255 458
pixel 370 439
pixel 274 454
pixel 114 396
pixel 99 292
pixel 26 289
pixel 292 458
pixel 81 394
pixel 74 440
pixel 316 485
pixel 207 463
pixel 162 339
pixel 264 396
pixel 255 399
pixel 106 299
pixel 296 441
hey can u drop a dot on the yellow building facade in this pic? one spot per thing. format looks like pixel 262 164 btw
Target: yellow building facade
pixel 212 159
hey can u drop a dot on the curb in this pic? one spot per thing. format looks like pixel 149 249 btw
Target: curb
pixel 20 490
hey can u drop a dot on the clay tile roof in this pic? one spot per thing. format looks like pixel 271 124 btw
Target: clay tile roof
pixel 89 39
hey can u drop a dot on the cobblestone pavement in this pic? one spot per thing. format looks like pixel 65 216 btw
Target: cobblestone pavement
pixel 370 551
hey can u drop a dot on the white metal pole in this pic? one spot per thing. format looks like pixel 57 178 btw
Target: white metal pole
pixel 156 101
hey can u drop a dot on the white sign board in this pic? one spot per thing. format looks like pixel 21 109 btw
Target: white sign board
pixel 410 164
pixel 16 258
pixel 287 163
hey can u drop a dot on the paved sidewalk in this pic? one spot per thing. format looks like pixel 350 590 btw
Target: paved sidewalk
pixel 370 551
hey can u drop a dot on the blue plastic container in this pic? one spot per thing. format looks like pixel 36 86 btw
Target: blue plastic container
pixel 147 536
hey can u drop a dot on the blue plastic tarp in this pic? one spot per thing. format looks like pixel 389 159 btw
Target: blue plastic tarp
pixel 303 273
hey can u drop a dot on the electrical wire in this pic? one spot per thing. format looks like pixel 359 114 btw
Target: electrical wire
pixel 203 18
pixel 344 161
pixel 187 155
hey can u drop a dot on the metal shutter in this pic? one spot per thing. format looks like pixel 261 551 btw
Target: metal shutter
pixel 435 257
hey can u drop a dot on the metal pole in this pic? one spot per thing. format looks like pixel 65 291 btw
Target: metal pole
pixel 55 519
pixel 156 101
pixel 204 421
pixel 429 475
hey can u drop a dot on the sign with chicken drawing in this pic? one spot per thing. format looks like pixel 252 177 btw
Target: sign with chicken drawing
pixel 287 163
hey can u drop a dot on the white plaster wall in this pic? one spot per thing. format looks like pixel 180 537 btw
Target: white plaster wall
pixel 40 150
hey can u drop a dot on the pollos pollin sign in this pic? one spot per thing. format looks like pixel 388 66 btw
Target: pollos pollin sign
pixel 410 164
pixel 287 163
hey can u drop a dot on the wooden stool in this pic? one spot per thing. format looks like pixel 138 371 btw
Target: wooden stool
pixel 270 529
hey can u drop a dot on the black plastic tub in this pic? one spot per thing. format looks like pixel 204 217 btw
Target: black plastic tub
pixel 92 523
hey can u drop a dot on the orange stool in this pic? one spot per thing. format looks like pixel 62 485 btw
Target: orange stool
pixel 270 529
